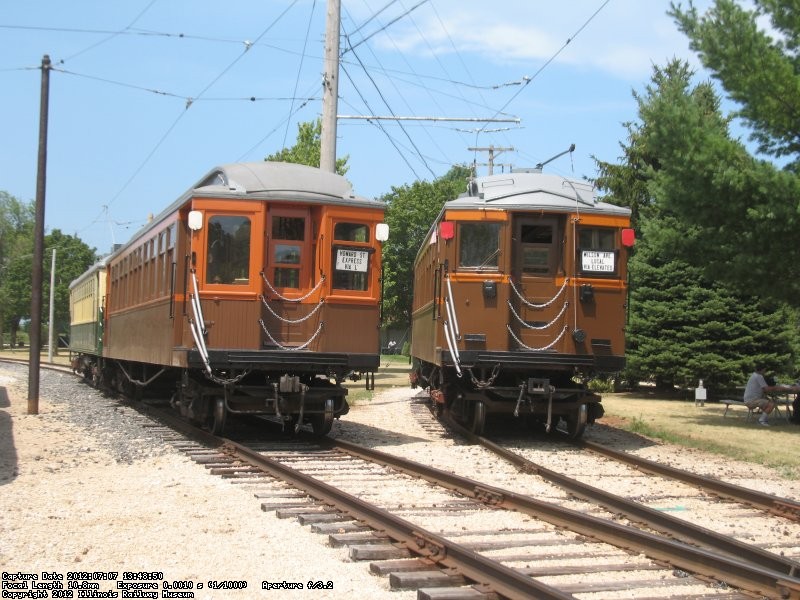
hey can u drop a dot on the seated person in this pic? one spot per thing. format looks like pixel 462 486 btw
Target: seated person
pixel 754 394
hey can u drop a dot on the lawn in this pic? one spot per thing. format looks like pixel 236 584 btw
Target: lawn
pixel 704 427
pixel 676 421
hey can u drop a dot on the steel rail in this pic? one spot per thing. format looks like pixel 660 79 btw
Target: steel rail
pixel 508 582
pixel 783 507
pixel 732 570
pixel 504 580
pixel 637 512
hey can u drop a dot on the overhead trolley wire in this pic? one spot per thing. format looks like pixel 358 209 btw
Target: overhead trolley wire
pixel 300 67
pixel 386 103
pixel 113 34
pixel 352 47
pixel 189 103
pixel 528 80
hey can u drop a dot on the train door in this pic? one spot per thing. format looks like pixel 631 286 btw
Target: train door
pixel 288 272
pixel 537 316
pixel 225 256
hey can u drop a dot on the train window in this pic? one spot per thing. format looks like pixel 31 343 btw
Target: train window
pixel 537 247
pixel 351 232
pixel 286 249
pixel 536 240
pixel 286 254
pixel 479 245
pixel 288 228
pixel 351 262
pixel 228 250
pixel 597 238
pixel 597 251
pixel 351 268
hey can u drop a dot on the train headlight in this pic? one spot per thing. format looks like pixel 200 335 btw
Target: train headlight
pixel 381 232
pixel 195 220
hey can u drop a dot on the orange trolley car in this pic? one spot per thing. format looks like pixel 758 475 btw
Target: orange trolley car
pixel 244 295
pixel 520 294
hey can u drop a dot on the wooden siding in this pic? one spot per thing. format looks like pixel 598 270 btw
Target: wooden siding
pixel 142 334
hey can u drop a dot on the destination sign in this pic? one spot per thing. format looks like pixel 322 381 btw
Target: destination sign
pixel 352 260
pixel 597 262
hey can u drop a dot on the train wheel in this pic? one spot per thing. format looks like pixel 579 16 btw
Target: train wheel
pixel 576 422
pixel 478 421
pixel 219 414
pixel 321 424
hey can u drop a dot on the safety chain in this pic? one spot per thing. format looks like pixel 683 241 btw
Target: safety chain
pixel 274 291
pixel 534 305
pixel 550 345
pixel 290 321
pixel 484 384
pixel 220 381
pixel 539 327
pixel 282 347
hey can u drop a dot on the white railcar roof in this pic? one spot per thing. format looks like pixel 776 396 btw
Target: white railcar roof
pixel 265 180
pixel 533 191
pixel 100 265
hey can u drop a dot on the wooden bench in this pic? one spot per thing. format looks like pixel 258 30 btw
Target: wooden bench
pixel 728 403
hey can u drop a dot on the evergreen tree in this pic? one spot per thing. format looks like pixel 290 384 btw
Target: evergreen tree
pixel 685 323
pixel 744 212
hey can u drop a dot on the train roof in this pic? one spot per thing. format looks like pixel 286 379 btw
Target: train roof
pixel 533 190
pixel 100 265
pixel 265 180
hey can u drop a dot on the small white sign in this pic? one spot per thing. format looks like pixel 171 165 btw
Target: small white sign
pixel 598 262
pixel 352 260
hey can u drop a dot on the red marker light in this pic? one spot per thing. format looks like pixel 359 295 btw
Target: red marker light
pixel 628 237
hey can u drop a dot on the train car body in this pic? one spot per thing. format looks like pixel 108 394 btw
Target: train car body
pixel 257 292
pixel 520 294
pixel 86 302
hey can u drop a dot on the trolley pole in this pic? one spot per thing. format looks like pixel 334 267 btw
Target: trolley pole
pixel 38 246
pixel 330 88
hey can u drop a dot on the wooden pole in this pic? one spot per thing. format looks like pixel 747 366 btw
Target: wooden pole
pixel 38 247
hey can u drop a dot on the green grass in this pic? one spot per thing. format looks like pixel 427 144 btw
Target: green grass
pixel 704 428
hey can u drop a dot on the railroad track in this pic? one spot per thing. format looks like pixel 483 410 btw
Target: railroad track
pixel 440 539
pixel 711 490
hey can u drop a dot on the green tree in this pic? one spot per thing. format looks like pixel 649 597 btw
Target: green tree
pixel 684 327
pixel 685 322
pixel 411 209
pixel 73 258
pixel 743 212
pixel 16 242
pixel 760 70
pixel 306 150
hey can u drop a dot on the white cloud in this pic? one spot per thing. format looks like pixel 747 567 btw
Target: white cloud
pixel 623 39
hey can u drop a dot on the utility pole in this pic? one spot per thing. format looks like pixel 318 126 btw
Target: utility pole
pixel 491 150
pixel 330 88
pixel 38 246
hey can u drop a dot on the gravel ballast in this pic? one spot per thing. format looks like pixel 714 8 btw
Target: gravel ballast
pixel 84 488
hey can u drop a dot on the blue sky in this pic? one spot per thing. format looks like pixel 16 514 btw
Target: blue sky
pixel 146 96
